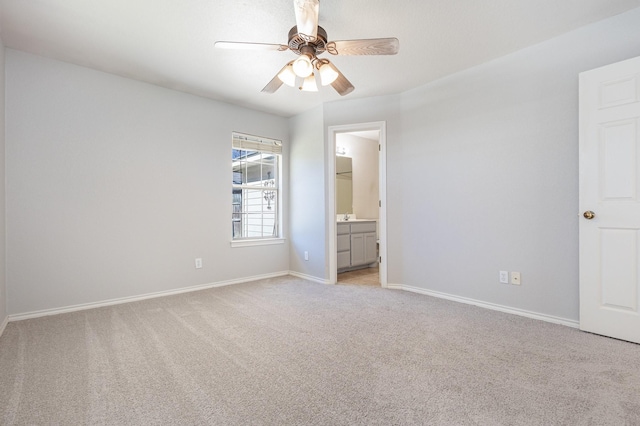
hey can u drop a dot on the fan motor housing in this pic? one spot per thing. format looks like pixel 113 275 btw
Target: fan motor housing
pixel 297 41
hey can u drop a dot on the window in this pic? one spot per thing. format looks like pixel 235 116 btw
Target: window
pixel 256 186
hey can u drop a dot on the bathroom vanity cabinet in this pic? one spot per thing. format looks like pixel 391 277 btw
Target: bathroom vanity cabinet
pixel 357 244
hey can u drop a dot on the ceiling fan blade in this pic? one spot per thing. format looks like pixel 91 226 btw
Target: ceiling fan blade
pixel 249 46
pixel 341 84
pixel 273 85
pixel 276 81
pixel 307 17
pixel 372 46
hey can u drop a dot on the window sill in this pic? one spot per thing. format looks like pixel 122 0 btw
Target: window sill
pixel 253 243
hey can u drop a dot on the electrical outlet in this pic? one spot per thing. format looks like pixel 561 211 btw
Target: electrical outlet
pixel 198 263
pixel 515 278
pixel 306 255
pixel 504 277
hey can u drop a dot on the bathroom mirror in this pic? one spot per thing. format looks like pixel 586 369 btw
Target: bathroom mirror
pixel 344 185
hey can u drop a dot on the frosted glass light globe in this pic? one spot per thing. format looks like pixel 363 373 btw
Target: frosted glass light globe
pixel 327 74
pixel 287 76
pixel 309 84
pixel 302 66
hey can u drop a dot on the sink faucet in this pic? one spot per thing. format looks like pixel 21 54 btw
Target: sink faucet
pixel 346 217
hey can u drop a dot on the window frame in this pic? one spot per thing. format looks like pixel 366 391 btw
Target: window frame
pixel 246 142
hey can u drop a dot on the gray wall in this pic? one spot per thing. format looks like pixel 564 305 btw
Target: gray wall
pixel 114 187
pixel 483 171
pixel 307 195
pixel 3 235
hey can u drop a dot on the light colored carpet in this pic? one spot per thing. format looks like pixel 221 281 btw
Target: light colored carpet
pixel 289 352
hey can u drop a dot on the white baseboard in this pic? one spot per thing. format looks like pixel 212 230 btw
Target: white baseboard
pixel 118 301
pixel 4 325
pixel 309 277
pixel 487 305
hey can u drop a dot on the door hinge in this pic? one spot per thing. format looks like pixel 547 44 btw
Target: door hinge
pixel 379 149
pixel 380 261
pixel 379 203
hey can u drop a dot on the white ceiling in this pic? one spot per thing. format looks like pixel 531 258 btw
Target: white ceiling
pixel 170 42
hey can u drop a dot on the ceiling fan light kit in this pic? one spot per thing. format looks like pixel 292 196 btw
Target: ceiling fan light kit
pixel 309 84
pixel 287 76
pixel 302 66
pixel 327 73
pixel 308 41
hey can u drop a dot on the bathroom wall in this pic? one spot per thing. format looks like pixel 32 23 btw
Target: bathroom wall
pixel 364 155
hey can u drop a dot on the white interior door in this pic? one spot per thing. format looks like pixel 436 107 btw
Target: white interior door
pixel 610 188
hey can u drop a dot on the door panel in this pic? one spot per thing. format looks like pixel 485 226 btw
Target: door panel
pixel 618 160
pixel 344 259
pixel 619 266
pixel 357 249
pixel 370 247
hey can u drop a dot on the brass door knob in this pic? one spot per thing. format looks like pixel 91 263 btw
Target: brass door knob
pixel 589 215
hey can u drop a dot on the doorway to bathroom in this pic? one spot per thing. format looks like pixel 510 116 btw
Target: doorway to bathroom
pixel 357 215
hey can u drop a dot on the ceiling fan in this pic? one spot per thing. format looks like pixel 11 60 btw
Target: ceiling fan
pixel 308 41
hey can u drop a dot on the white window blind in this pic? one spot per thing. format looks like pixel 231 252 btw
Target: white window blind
pixel 255 143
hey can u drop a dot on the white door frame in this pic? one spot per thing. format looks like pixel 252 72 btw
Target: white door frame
pixel 333 131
